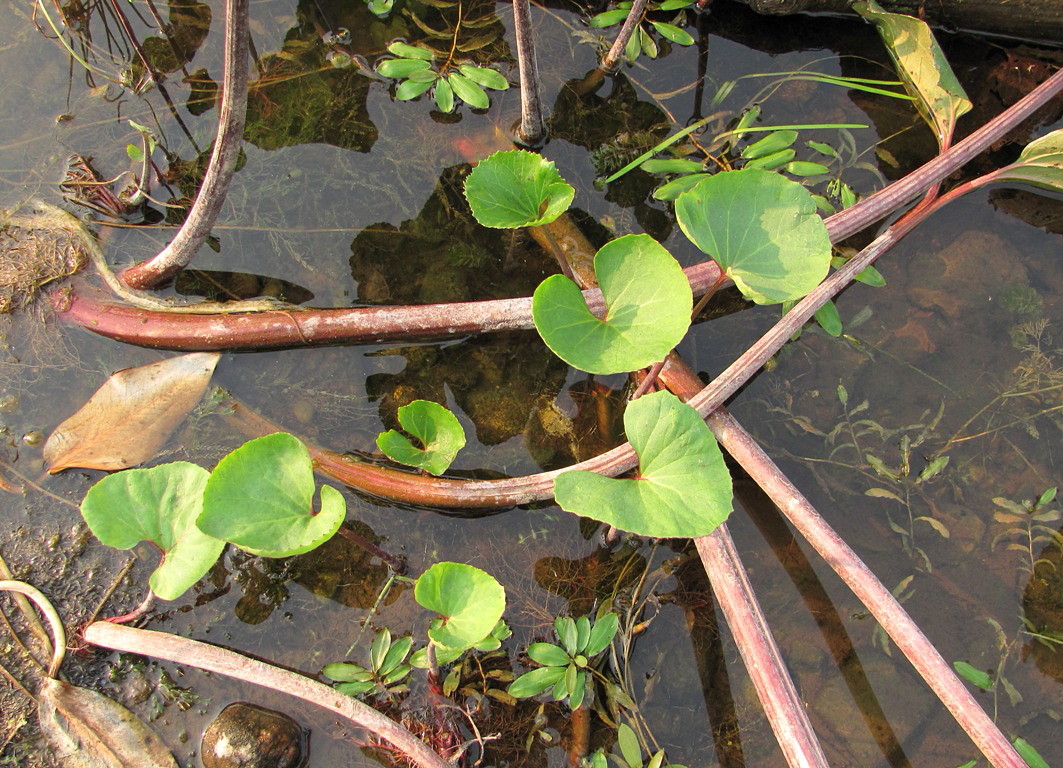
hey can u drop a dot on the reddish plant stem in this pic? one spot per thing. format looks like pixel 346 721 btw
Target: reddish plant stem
pixel 210 658
pixel 204 212
pixel 857 576
pixel 187 331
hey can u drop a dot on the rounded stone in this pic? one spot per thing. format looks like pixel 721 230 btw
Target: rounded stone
pixel 246 736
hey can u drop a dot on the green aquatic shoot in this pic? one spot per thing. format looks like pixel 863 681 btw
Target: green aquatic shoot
pixel 435 427
pixel 418 72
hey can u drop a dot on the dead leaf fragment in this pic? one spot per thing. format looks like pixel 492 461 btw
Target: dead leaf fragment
pixel 88 730
pixel 129 418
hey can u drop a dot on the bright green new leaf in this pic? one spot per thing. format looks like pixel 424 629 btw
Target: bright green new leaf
pixel 346 673
pixel 674 189
pixel 515 189
pixel 776 141
pixel 470 601
pixel 648 302
pixel 410 51
pixel 682 489
pixel 973 675
pixel 806 168
pixel 829 320
pixel 411 89
pixel 444 96
pixel 602 634
pixel 535 682
pixel 773 161
pixel 565 628
pixel 488 78
pixel 1029 755
pixel 607 19
pixel 1040 164
pixel 468 91
pixel 673 33
pixel 763 231
pixel 922 66
pixel 159 505
pixel 437 429
pixel 260 497
pixel 401 68
pixel 671 165
pixel 548 654
pixel 630 749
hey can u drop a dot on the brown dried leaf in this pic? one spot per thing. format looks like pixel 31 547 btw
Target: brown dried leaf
pixel 88 730
pixel 129 418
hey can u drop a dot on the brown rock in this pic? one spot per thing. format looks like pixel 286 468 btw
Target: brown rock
pixel 246 736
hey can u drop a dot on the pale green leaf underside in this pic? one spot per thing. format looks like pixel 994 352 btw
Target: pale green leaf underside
pixel 159 505
pixel 648 302
pixel 1039 165
pixel 260 497
pixel 438 430
pixel 762 230
pixel 683 488
pixel 516 189
pixel 470 601
pixel 922 65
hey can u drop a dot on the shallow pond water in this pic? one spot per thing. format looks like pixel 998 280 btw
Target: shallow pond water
pixel 347 198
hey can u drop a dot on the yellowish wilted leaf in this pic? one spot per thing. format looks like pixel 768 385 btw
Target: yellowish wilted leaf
pixel 88 730
pixel 129 418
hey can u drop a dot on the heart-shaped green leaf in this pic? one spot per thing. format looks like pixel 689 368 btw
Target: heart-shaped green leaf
pixel 1040 164
pixel 682 489
pixel 763 231
pixel 469 600
pixel 516 189
pixel 159 505
pixel 648 303
pixel 922 66
pixel 260 497
pixel 437 429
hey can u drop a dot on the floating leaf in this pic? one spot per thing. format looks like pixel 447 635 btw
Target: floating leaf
pixel 776 141
pixel 131 416
pixel 437 429
pixel 88 730
pixel 488 78
pixel 260 498
pixel 607 19
pixel 774 161
pixel 673 33
pixel 401 68
pixel 805 168
pixel 763 231
pixel 444 96
pixel 922 66
pixel 410 51
pixel 470 601
pixel 829 320
pixel 682 489
pixel 629 745
pixel 674 189
pixel 515 189
pixel 468 91
pixel 548 654
pixel 411 89
pixel 973 675
pixel 1029 755
pixel 159 505
pixel 671 165
pixel 648 302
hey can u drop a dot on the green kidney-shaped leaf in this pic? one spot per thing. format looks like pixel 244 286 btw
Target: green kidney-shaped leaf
pixel 515 189
pixel 1040 164
pixel 159 505
pixel 763 231
pixel 682 489
pixel 437 429
pixel 469 600
pixel 922 66
pixel 260 497
pixel 648 302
